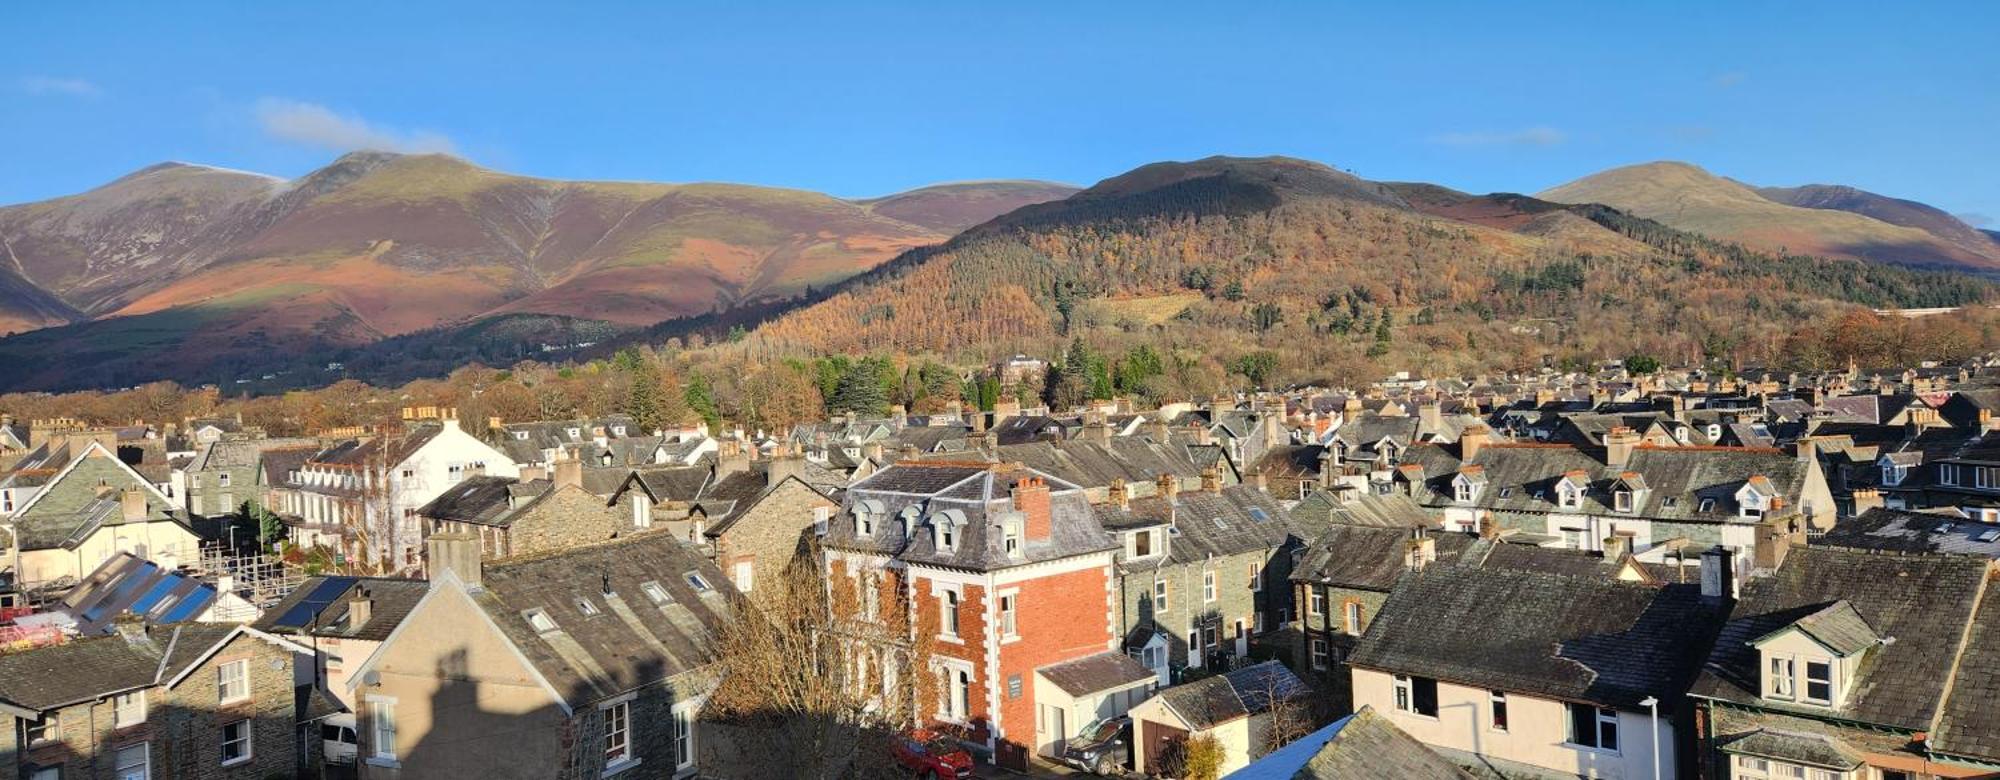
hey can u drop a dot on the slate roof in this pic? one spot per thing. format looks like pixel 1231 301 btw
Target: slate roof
pixel 1360 507
pixel 481 500
pixel 320 606
pixel 1548 560
pixel 1225 521
pixel 1092 674
pixel 80 670
pixel 1095 464
pixel 1368 557
pixel 279 463
pixel 1678 479
pixel 70 507
pixel 1361 746
pixel 981 495
pixel 1570 638
pixel 1213 701
pixel 631 642
pixel 1921 601
pixel 1818 750
pixel 1840 628
pixel 1969 725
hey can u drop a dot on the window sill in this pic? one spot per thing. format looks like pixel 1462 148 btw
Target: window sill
pixel 237 761
pixel 1589 749
pixel 619 766
pixel 383 762
pixel 952 638
pixel 1417 715
pixel 1008 640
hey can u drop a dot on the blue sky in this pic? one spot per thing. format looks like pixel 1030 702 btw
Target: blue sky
pixel 867 98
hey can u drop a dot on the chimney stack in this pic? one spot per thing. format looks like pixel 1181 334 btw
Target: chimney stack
pixel 781 468
pixel 133 504
pixel 1617 546
pixel 872 451
pixel 1166 486
pixel 457 553
pixel 1473 439
pixel 1866 499
pixel 1211 480
pixel 1718 574
pixel 1619 443
pixel 1420 550
pixel 1259 481
pixel 1119 496
pixel 1161 432
pixel 1430 417
pixel 360 609
pixel 568 472
pixel 1031 499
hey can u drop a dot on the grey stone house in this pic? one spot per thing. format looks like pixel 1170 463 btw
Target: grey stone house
pixel 1202 573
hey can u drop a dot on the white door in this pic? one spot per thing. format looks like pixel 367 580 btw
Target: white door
pixel 1242 641
pixel 1051 730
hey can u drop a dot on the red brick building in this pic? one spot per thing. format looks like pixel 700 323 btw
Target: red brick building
pixel 1009 574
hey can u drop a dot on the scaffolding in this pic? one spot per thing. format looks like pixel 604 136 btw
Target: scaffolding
pixel 261 578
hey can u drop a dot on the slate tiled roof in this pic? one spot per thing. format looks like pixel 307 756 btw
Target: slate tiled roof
pixel 1095 464
pixel 1818 750
pixel 1970 723
pixel 1213 701
pixel 320 606
pixel 1367 557
pixel 480 500
pixel 1360 507
pixel 1522 478
pixel 47 678
pixel 1096 673
pixel 631 641
pixel 1921 601
pixel 1234 519
pixel 1548 560
pixel 1840 628
pixel 82 499
pixel 1361 746
pixel 1572 638
pixel 980 495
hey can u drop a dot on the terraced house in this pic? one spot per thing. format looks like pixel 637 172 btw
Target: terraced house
pixel 1010 572
pixel 590 662
pixel 187 700
pixel 1640 498
pixel 95 507
pixel 1202 573
pixel 1857 665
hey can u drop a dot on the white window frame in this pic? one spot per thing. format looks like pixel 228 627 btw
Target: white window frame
pixel 1498 715
pixel 617 731
pixel 382 731
pixel 948 613
pixel 1321 655
pixel 1009 606
pixel 1208 589
pixel 1621 500
pixel 1256 576
pixel 120 769
pixel 249 740
pixel 223 681
pixel 48 725
pixel 1603 717
pixel 1350 618
pixel 1010 539
pixel 1806 681
pixel 683 716
pixel 1780 677
pixel 128 709
pixel 1161 602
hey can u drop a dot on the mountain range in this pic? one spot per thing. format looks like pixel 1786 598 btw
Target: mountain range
pixel 1816 219
pixel 411 262
pixel 208 264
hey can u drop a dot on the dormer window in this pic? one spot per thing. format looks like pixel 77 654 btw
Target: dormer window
pixel 1010 539
pixel 618 430
pixel 575 433
pixel 520 436
pixel 1569 495
pixel 1893 474
pixel 1812 660
pixel 1621 500
pixel 1464 492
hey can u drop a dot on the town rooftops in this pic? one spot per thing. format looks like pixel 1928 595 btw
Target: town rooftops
pixel 81 670
pixel 1106 671
pixel 1922 602
pixel 1361 746
pixel 904 502
pixel 1368 557
pixel 658 605
pixel 322 606
pixel 1208 523
pixel 1213 701
pixel 1572 638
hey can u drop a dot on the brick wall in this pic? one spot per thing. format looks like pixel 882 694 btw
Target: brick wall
pixel 767 536
pixel 1058 618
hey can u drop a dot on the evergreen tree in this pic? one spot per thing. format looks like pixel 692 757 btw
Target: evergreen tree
pixel 860 391
pixel 700 398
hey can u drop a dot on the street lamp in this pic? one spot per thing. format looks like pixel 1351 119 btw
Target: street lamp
pixel 1653 704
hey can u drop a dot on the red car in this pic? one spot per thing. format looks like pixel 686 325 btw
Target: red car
pixel 931 756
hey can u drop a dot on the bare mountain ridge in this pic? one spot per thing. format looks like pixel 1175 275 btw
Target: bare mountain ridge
pixel 1837 225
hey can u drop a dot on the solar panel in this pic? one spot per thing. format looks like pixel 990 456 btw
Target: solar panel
pixel 301 614
pixel 153 596
pixel 192 605
pixel 1990 536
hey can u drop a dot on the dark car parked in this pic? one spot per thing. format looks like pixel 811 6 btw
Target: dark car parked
pixel 1104 749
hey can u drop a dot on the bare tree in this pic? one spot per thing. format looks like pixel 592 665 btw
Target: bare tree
pixel 813 675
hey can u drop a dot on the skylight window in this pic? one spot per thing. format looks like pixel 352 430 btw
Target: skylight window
pixel 583 605
pixel 1506 491
pixel 1707 504
pixel 1258 514
pixel 540 621
pixel 695 581
pixel 655 592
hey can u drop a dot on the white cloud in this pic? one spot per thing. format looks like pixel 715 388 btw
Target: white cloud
pixel 1531 136
pixel 54 85
pixel 314 125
